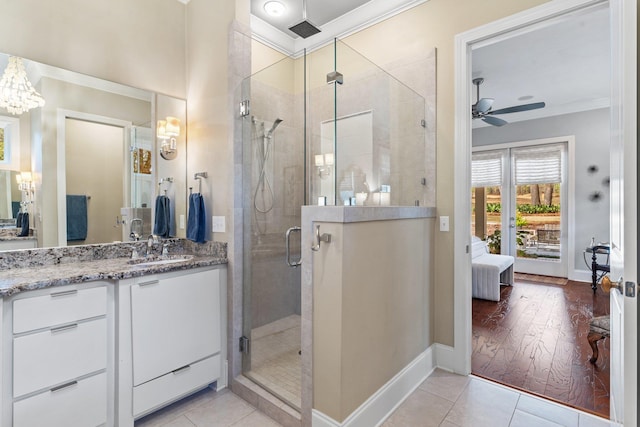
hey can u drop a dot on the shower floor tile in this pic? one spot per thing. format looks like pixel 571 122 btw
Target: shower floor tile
pixel 275 362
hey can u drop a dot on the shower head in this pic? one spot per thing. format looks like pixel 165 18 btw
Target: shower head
pixel 273 128
pixel 305 28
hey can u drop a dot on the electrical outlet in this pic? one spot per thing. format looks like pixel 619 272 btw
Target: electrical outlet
pixel 182 222
pixel 217 224
pixel 444 223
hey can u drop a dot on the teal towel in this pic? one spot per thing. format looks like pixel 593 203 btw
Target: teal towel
pixel 77 222
pixel 24 226
pixel 164 223
pixel 197 219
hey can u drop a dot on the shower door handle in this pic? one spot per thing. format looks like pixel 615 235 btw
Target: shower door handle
pixel 291 263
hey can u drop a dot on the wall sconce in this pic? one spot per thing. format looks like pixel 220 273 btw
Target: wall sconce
pixel 25 182
pixel 324 163
pixel 167 131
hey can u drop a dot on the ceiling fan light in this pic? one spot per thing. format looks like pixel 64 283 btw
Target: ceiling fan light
pixel 274 8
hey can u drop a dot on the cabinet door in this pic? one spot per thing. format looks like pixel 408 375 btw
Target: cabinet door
pixel 175 321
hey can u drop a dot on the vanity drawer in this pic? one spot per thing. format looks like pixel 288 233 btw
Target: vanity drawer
pixel 54 356
pixel 62 305
pixel 174 385
pixel 80 404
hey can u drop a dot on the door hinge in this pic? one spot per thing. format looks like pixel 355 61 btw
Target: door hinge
pixel 244 108
pixel 244 344
pixel 335 77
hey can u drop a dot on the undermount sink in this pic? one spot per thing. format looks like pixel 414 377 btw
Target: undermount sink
pixel 159 260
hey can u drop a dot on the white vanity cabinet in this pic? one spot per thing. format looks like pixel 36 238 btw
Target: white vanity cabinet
pixel 56 357
pixel 171 338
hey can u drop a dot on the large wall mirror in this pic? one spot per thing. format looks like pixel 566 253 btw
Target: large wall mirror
pixel 95 159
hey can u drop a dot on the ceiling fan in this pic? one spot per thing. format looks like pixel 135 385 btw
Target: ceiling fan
pixel 482 108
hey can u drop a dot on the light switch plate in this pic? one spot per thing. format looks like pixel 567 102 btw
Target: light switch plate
pixel 444 223
pixel 217 224
pixel 182 222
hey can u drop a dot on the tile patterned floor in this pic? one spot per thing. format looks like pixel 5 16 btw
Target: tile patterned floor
pixel 443 399
pixel 208 408
pixel 275 362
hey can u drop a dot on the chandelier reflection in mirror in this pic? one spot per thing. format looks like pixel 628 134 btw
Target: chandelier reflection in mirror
pixel 17 94
pixel 167 131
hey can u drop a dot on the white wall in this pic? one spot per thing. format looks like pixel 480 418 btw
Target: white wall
pixel 591 130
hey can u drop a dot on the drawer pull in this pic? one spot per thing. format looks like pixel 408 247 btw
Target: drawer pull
pixel 150 282
pixel 177 371
pixel 64 293
pixel 64 328
pixel 60 387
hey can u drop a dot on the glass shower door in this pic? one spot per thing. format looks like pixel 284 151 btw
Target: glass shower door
pixel 273 186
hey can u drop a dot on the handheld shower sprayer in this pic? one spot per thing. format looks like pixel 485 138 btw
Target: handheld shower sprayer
pixel 273 128
pixel 263 152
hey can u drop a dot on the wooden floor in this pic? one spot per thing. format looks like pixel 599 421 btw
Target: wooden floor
pixel 535 339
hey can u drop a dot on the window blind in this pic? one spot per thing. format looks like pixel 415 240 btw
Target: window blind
pixel 540 164
pixel 486 169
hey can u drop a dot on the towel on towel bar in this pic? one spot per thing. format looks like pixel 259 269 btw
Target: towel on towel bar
pixel 24 225
pixel 164 224
pixel 197 219
pixel 76 217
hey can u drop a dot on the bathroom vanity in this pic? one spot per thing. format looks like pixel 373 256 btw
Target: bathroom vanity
pixel 107 341
pixel 10 241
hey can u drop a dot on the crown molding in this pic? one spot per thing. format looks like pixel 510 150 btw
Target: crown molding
pixel 356 20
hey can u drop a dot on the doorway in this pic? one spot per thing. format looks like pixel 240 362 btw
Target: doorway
pixel 539 17
pixel 76 147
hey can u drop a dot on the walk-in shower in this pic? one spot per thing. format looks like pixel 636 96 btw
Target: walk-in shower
pixel 308 138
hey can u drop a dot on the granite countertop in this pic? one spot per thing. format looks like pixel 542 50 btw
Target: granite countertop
pixel 12 234
pixel 8 237
pixel 30 269
pixel 25 279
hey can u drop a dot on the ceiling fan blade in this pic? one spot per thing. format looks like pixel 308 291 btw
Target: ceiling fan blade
pixel 494 121
pixel 484 105
pixel 518 108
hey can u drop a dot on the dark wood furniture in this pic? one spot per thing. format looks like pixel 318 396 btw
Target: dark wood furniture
pixel 595 267
pixel 598 329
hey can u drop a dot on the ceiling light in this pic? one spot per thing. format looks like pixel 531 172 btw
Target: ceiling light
pixel 274 8
pixel 17 94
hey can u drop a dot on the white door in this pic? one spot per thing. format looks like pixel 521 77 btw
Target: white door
pixel 623 222
pixel 531 229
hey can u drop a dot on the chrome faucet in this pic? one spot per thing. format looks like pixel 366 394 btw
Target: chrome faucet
pixel 151 240
pixel 134 234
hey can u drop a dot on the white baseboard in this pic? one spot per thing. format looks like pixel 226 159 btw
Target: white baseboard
pixel 581 276
pixel 384 401
pixel 446 357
